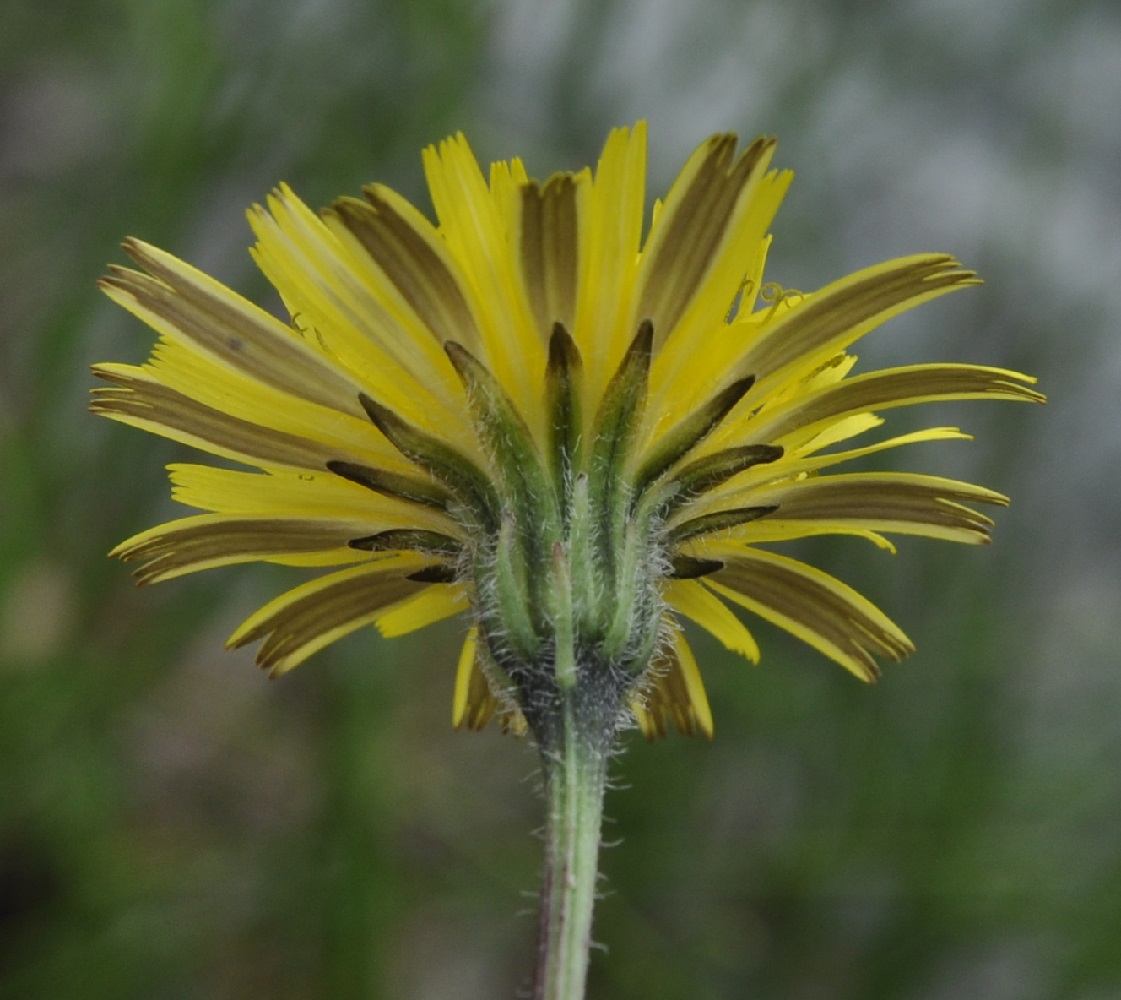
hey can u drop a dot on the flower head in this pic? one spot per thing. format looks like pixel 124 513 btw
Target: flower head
pixel 533 415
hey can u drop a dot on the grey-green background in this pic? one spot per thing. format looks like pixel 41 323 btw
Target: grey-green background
pixel 174 826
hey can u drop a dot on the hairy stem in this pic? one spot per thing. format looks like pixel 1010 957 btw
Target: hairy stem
pixel 574 761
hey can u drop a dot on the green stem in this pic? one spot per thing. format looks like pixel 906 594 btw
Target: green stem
pixel 574 763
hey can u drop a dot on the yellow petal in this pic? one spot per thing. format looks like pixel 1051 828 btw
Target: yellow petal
pixel 547 245
pixel 673 691
pixel 885 389
pixel 474 703
pixel 691 599
pixel 812 605
pixel 825 323
pixel 283 493
pixel 408 263
pixel 209 540
pixel 900 502
pixel 426 608
pixel 774 529
pixel 192 309
pixel 472 224
pixel 796 466
pixel 467 696
pixel 605 307
pixel 690 255
pixel 332 290
pixel 691 354
pixel 311 616
pixel 138 398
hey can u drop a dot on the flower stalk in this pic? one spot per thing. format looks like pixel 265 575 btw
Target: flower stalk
pixel 574 765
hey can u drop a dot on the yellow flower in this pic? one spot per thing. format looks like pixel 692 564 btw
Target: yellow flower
pixel 533 416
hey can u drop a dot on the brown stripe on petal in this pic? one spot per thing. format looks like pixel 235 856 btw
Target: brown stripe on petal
pixel 877 501
pixel 198 543
pixel 889 388
pixel 664 698
pixel 836 614
pixel 831 319
pixel 155 406
pixel 549 248
pixel 691 229
pixel 337 607
pixel 408 250
pixel 229 328
pixel 481 703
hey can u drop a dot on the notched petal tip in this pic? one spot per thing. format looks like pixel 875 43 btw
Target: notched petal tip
pixel 135 247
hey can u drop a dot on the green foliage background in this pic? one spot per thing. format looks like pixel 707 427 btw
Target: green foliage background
pixel 173 826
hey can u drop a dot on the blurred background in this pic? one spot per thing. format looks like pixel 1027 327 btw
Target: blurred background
pixel 174 826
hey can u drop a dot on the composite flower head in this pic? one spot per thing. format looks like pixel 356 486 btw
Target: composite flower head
pixel 572 426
